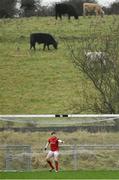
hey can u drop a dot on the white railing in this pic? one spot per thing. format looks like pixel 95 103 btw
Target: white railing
pixel 61 115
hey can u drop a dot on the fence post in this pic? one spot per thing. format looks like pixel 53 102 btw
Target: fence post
pixel 30 158
pixel 8 158
pixel 75 157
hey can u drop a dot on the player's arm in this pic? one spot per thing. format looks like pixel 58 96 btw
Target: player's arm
pixel 46 146
pixel 60 141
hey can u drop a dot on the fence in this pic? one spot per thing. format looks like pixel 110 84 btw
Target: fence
pixel 15 157
pixel 90 156
pixel 76 157
pixel 84 156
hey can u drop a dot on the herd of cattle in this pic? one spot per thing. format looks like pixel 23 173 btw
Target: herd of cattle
pixel 62 9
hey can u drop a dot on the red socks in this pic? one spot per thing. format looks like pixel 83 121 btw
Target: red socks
pixel 49 162
pixel 56 165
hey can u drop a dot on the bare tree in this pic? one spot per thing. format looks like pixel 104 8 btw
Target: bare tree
pixel 97 56
pixel 7 8
pixel 115 7
pixel 30 7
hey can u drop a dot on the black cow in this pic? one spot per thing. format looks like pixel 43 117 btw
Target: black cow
pixel 62 8
pixel 42 38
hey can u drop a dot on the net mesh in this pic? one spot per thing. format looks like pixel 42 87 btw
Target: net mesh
pixel 91 142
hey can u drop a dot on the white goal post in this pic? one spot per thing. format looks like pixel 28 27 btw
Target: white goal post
pixel 61 115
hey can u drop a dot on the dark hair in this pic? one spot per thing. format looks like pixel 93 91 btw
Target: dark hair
pixel 53 132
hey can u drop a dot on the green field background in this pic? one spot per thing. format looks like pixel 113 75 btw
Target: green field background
pixel 62 175
pixel 45 81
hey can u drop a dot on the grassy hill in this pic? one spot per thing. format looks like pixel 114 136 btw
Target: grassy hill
pixel 44 81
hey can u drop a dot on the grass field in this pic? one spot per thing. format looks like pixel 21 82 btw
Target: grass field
pixel 44 81
pixel 61 175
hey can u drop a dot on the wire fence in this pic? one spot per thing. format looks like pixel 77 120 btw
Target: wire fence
pixel 72 157
pixel 15 157
pixel 19 157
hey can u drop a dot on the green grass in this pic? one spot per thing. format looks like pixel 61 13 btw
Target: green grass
pixel 61 175
pixel 44 81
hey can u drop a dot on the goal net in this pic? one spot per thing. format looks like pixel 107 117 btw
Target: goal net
pixel 15 157
pixel 91 141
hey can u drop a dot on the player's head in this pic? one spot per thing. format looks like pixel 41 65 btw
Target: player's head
pixel 53 133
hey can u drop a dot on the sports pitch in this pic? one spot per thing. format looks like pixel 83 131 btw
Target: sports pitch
pixel 87 175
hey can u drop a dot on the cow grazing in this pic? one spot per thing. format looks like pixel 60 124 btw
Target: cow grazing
pixel 92 7
pixel 96 56
pixel 62 9
pixel 42 38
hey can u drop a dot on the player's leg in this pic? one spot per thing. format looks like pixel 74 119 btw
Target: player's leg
pixel 56 159
pixel 49 156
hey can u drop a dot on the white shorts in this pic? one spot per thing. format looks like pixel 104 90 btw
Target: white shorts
pixel 54 154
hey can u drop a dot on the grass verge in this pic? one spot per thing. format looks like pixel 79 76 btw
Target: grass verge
pixel 61 175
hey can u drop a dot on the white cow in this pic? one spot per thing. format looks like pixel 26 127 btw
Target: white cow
pixel 96 56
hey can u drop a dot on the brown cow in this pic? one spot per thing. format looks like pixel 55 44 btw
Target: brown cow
pixel 92 7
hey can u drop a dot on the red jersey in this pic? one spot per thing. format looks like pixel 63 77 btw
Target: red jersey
pixel 54 144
